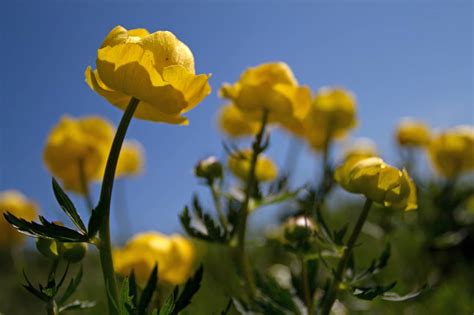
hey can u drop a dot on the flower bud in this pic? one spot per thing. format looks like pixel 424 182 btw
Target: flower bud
pixel 209 168
pixel 47 247
pixel 73 252
pixel 299 229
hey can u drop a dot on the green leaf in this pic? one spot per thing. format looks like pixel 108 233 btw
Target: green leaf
pixel 125 300
pixel 68 207
pixel 148 291
pixel 369 293
pixel 71 288
pixel 190 289
pixel 169 305
pixel 77 305
pixel 280 296
pixel 29 287
pixel 132 287
pixel 95 222
pixel 395 297
pixel 275 199
pixel 46 229
pixel 214 233
pixel 376 265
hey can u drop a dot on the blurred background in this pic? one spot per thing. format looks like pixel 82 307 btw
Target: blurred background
pixel 400 58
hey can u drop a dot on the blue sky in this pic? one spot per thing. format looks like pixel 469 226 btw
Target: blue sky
pixel 400 58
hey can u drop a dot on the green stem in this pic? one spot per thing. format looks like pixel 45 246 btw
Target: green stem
pixel 105 246
pixel 217 204
pixel 305 285
pixel 341 266
pixel 243 215
pixel 85 186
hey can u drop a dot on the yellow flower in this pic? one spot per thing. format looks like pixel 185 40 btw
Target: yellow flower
pixel 379 182
pixel 360 149
pixel 239 165
pixel 73 142
pixel 412 133
pixel 130 160
pixel 234 123
pixel 156 69
pixel 16 203
pixel 174 255
pixel 452 151
pixel 331 115
pixel 269 86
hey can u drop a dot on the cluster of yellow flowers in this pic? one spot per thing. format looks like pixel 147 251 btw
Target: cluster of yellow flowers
pixel 76 152
pixel 451 151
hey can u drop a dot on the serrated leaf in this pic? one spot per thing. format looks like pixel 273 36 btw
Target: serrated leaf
pixel 395 297
pixel 281 297
pixel 376 265
pixel 71 288
pixel 68 207
pixel 29 287
pixel 148 291
pixel 369 293
pixel 190 289
pixel 125 300
pixel 46 229
pixel 77 305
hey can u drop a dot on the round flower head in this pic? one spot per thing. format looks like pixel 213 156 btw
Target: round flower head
pixel 331 115
pixel 379 182
pixel 239 165
pixel 411 133
pixel 271 87
pixel 16 203
pixel 452 151
pixel 131 159
pixel 156 69
pixel 234 124
pixel 75 142
pixel 174 255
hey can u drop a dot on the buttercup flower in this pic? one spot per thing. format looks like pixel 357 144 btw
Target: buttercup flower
pixel 16 203
pixel 233 122
pixel 174 255
pixel 412 133
pixel 452 151
pixel 269 86
pixel 239 165
pixel 379 182
pixel 131 159
pixel 75 142
pixel 331 115
pixel 156 69
pixel 360 149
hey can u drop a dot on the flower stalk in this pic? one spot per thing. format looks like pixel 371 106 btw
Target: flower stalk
pixel 103 208
pixel 331 294
pixel 257 148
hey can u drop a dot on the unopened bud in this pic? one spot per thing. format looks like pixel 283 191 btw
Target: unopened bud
pixel 73 252
pixel 299 229
pixel 47 247
pixel 209 168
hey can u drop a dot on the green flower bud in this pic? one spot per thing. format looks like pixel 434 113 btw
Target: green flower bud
pixel 47 247
pixel 209 169
pixel 73 252
pixel 298 229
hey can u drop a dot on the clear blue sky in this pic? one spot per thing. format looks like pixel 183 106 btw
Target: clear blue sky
pixel 401 58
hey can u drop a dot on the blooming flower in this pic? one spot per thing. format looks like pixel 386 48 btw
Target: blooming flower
pixel 174 255
pixel 75 143
pixel 16 203
pixel 239 165
pixel 412 133
pixel 234 123
pixel 157 69
pixel 452 151
pixel 379 182
pixel 271 87
pixel 331 115
pixel 131 159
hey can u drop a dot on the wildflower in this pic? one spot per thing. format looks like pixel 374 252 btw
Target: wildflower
pixel 412 133
pixel 452 151
pixel 16 203
pixel 76 144
pixel 234 123
pixel 209 169
pixel 271 87
pixel 131 159
pixel 239 165
pixel 174 255
pixel 361 149
pixel 379 182
pixel 157 69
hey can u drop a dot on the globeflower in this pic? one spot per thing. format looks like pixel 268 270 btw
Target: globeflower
pixel 360 149
pixel 233 122
pixel 269 87
pixel 452 151
pixel 16 203
pixel 157 69
pixel 78 145
pixel 411 133
pixel 331 115
pixel 174 255
pixel 239 165
pixel 379 182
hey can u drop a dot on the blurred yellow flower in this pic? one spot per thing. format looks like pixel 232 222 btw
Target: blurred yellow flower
pixel 156 69
pixel 131 159
pixel 16 203
pixel 452 151
pixel 379 182
pixel 74 142
pixel 331 115
pixel 234 123
pixel 360 149
pixel 239 165
pixel 412 133
pixel 269 86
pixel 174 255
